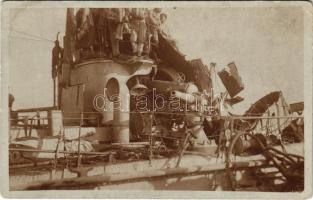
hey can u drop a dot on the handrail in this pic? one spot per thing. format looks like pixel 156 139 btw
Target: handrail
pixel 176 113
pixel 36 109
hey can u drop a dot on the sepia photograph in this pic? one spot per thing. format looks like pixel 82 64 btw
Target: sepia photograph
pixel 157 97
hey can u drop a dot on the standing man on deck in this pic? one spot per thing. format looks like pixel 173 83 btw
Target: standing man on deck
pixel 139 29
pixel 85 29
pixel 101 23
pixel 11 100
pixel 165 31
pixel 153 24
pixel 116 17
pixel 57 55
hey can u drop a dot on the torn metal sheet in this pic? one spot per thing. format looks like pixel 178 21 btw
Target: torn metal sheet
pixel 260 106
pixel 231 79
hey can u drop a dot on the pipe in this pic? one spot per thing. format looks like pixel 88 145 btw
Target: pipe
pixel 169 86
pixel 60 151
pixel 189 98
pixel 118 93
pixel 166 86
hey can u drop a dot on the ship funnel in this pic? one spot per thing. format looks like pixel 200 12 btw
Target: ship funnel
pixel 138 89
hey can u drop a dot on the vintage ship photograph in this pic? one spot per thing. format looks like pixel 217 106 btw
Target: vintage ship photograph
pixel 156 98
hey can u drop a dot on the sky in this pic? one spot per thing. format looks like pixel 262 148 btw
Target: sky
pixel 266 43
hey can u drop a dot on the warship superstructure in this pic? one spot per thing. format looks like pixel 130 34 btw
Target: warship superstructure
pixel 131 112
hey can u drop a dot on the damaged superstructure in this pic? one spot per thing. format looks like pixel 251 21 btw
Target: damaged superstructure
pixel 127 96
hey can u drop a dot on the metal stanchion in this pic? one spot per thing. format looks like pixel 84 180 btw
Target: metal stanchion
pixel 79 135
pixel 150 139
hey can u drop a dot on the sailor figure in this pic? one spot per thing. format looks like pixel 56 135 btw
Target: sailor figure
pixel 139 29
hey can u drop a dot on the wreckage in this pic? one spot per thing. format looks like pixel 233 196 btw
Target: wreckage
pixel 129 120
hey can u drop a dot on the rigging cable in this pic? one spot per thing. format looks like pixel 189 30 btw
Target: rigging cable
pixel 25 38
pixel 30 35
